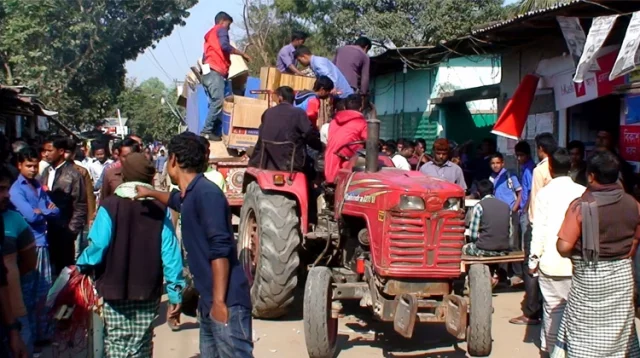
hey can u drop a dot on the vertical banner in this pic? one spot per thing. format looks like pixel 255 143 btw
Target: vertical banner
pixel 598 34
pixel 574 36
pixel 629 56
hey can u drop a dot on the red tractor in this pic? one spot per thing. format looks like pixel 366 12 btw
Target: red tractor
pixel 388 239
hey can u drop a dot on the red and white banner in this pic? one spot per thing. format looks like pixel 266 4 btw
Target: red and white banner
pixel 514 117
pixel 596 84
pixel 630 143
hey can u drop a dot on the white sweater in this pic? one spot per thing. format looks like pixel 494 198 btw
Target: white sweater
pixel 551 206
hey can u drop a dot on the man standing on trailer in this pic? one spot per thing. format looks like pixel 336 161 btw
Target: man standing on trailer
pixel 216 63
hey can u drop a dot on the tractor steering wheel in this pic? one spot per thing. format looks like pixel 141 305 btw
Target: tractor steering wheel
pixel 344 157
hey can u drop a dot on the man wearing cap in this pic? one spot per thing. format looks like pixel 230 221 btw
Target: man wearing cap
pixel 441 167
pixel 124 231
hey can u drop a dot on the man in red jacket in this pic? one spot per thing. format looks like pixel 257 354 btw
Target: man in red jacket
pixel 347 126
pixel 216 63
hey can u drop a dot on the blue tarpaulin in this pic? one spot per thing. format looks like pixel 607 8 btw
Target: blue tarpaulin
pixel 198 103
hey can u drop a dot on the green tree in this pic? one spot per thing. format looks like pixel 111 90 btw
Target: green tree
pixel 147 115
pixel 268 24
pixel 72 53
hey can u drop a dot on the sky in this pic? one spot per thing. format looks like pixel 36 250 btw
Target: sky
pixel 181 50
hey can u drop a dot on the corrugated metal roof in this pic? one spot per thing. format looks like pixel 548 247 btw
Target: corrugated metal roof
pixel 526 15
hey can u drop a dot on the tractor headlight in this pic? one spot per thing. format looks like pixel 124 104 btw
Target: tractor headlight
pixel 411 203
pixel 453 204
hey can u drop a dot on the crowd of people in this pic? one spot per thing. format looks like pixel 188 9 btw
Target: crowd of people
pixel 52 196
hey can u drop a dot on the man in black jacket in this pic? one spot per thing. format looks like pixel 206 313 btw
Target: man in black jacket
pixel 284 134
pixel 65 187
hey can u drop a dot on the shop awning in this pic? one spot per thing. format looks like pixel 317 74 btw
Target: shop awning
pixel 469 94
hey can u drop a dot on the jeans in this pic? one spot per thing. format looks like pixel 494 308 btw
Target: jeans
pixel 231 340
pixel 532 306
pixel 214 84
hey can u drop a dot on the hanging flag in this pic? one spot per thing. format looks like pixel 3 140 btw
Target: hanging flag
pixel 629 56
pixel 514 116
pixel 574 36
pixel 598 34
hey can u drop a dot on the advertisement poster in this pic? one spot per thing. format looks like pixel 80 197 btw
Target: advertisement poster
pixel 629 56
pixel 632 105
pixel 574 37
pixel 597 36
pixel 630 143
pixel 596 84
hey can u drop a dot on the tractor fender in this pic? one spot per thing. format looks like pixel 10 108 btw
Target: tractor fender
pixel 345 215
pixel 297 188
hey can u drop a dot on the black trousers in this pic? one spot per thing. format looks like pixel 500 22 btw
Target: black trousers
pixel 532 305
pixel 62 248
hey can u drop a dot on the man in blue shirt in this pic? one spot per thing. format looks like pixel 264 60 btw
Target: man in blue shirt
pixel 322 66
pixel 523 153
pixel 286 62
pixel 36 207
pixel 508 189
pixel 207 234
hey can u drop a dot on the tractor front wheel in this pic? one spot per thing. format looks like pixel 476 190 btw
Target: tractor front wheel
pixel 320 329
pixel 481 308
pixel 268 250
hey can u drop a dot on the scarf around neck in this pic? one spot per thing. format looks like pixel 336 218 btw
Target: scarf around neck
pixel 596 196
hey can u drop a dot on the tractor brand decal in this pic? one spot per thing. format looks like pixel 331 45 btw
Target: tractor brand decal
pixel 356 197
pixel 360 199
pixel 381 216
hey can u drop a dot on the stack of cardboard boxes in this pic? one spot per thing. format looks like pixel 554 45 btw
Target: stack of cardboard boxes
pixel 242 116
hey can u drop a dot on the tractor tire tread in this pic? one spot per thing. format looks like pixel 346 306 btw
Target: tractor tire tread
pixel 276 276
pixel 479 341
pixel 317 294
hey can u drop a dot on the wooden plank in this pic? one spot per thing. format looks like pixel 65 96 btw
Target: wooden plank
pixel 269 80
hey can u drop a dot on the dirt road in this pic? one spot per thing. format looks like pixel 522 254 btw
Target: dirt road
pixel 285 339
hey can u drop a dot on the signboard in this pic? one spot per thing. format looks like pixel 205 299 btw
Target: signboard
pixel 630 143
pixel 629 56
pixel 632 109
pixel 574 36
pixel 596 84
pixel 597 36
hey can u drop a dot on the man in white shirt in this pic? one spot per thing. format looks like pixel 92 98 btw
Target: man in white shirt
pixel 101 153
pixel 551 204
pixel 398 158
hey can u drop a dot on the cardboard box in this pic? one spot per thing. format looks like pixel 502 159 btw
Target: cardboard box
pixel 242 138
pixel 247 112
pixel 298 83
pixel 242 117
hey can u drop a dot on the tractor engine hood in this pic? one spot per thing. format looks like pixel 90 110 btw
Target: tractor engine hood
pixel 369 187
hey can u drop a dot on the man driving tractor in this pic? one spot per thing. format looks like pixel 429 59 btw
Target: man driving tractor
pixel 284 134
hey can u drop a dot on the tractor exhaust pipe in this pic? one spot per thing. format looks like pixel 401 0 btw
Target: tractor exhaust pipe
pixel 373 140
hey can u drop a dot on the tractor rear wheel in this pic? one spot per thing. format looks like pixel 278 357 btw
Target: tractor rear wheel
pixel 320 329
pixel 481 308
pixel 268 250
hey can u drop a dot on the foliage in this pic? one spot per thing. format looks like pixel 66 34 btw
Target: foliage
pixel 72 53
pixel 147 115
pixel 332 23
